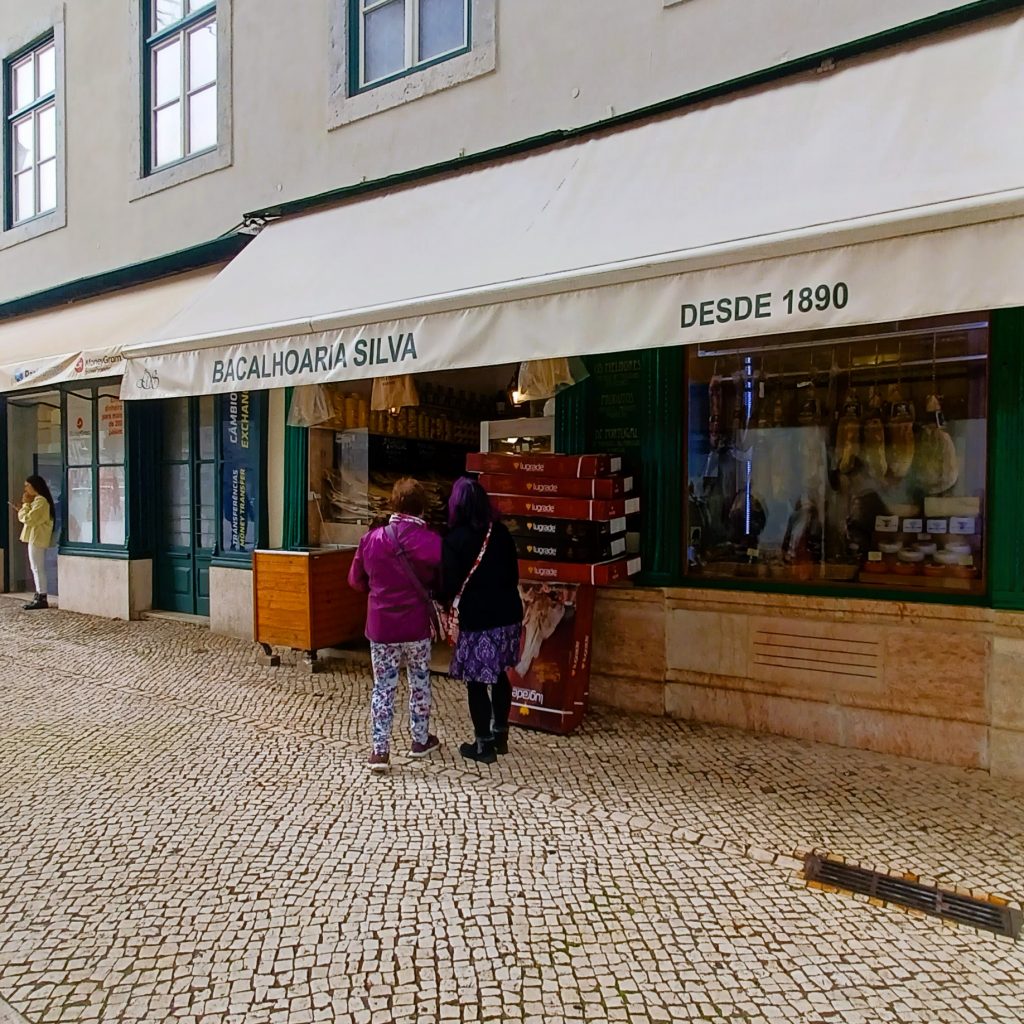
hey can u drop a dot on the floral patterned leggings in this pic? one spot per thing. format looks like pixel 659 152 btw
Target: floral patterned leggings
pixel 387 662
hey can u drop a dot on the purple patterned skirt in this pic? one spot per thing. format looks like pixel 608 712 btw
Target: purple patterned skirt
pixel 482 656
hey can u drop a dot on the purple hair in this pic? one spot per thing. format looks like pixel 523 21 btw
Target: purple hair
pixel 470 506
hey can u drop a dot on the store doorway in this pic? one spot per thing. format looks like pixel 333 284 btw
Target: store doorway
pixel 33 447
pixel 186 483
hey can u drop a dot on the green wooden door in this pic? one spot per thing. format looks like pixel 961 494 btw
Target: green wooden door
pixel 188 501
pixel 1006 468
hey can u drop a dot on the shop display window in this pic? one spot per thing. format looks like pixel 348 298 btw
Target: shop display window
pixel 95 453
pixel 357 452
pixel 851 460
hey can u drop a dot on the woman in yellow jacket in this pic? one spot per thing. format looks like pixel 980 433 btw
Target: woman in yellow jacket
pixel 37 514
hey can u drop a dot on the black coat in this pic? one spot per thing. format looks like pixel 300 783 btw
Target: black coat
pixel 491 598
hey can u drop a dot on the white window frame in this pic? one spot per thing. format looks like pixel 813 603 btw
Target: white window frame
pixel 348 103
pixel 46 24
pixel 413 61
pixel 179 33
pixel 30 113
pixel 147 177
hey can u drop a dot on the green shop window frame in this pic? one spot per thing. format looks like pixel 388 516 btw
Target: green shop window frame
pixel 356 14
pixel 663 490
pixel 90 393
pixel 141 459
pixel 5 521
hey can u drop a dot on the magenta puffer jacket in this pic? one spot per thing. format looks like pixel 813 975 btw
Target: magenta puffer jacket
pixel 397 612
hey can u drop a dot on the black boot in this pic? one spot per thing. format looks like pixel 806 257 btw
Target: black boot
pixel 39 601
pixel 482 750
pixel 501 741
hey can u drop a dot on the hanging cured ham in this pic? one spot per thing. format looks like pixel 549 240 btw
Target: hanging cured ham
pixel 873 438
pixel 848 435
pixel 899 432
pixel 937 469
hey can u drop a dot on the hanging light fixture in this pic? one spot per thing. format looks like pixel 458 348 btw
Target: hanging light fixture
pixel 516 397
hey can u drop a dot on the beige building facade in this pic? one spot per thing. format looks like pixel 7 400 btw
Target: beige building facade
pixel 170 166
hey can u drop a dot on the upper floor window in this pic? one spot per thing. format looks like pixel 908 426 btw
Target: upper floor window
pixel 395 36
pixel 180 79
pixel 31 90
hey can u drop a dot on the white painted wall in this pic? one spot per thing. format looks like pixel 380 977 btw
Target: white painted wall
pixel 559 64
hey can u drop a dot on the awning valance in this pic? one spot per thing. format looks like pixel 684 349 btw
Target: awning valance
pixel 85 339
pixel 888 188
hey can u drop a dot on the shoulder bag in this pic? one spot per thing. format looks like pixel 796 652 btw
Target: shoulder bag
pixel 444 622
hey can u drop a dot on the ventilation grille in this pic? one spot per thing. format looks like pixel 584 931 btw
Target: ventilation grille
pixel 984 914
pixel 785 649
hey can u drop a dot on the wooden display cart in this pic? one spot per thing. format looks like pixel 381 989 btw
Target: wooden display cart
pixel 302 600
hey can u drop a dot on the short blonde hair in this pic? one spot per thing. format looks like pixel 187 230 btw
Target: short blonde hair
pixel 409 497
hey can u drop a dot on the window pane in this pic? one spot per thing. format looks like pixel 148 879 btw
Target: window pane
pixel 202 120
pixel 442 27
pixel 79 431
pixel 176 429
pixel 198 5
pixel 168 134
pixel 80 506
pixel 24 196
pixel 384 41
pixel 178 506
pixel 111 504
pixel 23 75
pixel 207 405
pixel 167 71
pixel 166 12
pixel 47 120
pixel 47 66
pixel 860 462
pixel 207 520
pixel 24 145
pixel 47 186
pixel 111 433
pixel 202 56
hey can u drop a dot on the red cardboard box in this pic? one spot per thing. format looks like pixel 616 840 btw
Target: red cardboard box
pixel 600 574
pixel 566 530
pixel 564 508
pixel 531 549
pixel 557 487
pixel 551 683
pixel 576 466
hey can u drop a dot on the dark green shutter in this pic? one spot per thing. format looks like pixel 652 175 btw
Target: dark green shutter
pixel 1006 465
pixel 661 445
pixel 296 481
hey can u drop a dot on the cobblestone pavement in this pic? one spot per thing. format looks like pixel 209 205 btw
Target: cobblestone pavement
pixel 187 836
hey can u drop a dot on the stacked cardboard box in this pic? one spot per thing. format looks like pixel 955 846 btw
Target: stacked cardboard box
pixel 568 516
pixel 568 513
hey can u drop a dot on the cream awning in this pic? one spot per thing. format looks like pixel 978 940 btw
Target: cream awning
pixel 85 339
pixel 887 188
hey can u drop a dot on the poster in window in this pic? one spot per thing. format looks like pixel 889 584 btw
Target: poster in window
pixel 111 430
pixel 240 473
pixel 79 429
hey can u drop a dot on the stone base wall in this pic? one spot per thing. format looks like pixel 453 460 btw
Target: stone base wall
pixel 231 602
pixel 937 682
pixel 114 588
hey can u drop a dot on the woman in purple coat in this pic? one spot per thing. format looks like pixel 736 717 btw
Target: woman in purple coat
pixel 398 565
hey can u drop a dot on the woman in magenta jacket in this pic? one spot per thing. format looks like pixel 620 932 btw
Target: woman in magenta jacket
pixel 398 565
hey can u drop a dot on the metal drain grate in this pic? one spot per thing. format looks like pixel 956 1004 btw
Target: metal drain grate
pixel 990 916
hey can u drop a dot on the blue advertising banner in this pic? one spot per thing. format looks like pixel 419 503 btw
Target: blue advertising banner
pixel 240 473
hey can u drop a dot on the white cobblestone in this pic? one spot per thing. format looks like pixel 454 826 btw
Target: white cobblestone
pixel 188 836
